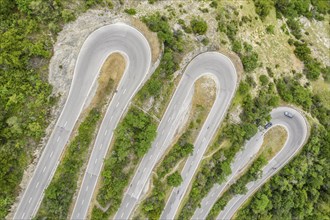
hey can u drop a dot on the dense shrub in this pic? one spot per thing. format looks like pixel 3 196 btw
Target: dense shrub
pixel 198 25
pixel 263 7
pixel 130 11
pixel 174 179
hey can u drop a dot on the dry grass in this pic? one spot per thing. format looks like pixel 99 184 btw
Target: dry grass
pixel 317 35
pixel 322 89
pixel 273 142
pixel 110 75
pixel 202 102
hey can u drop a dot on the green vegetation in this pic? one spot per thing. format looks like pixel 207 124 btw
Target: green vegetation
pixel 239 187
pixel 28 30
pixel 215 169
pixel 155 202
pixel 58 195
pixel 296 8
pixel 293 8
pixel 133 137
pixel 180 150
pixel 291 91
pixel 160 83
pixel 305 179
pixel 248 56
pixel 263 79
pixel 263 7
pixel 312 68
pixel 198 26
pixel 174 179
pixel 130 11
pixel 270 29
pixel 229 25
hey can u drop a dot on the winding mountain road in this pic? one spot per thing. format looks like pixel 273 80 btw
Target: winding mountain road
pixel 296 128
pixel 98 46
pixel 134 47
pixel 223 71
pixel 297 135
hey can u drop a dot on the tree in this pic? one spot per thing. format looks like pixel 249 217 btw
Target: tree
pixel 260 204
pixel 174 179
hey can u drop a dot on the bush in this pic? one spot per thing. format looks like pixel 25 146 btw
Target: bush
pixel 264 80
pixel 130 11
pixel 68 15
pixel 270 29
pixel 263 8
pixel 295 27
pixel 174 179
pixel 250 62
pixel 198 26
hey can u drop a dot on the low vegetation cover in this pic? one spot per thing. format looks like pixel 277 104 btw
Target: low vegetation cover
pixel 154 204
pixel 229 25
pixel 133 137
pixel 160 84
pixel 59 194
pixel 27 31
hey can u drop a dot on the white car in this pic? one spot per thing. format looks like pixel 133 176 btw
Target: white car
pixel 288 114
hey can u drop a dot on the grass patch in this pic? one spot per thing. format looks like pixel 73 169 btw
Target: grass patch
pixel 274 141
pixel 322 89
pixel 59 194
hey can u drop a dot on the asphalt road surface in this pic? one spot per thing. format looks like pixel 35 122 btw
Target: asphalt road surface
pixel 97 47
pixel 296 128
pixel 224 73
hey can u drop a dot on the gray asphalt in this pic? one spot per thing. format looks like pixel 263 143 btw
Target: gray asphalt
pixel 297 130
pixel 97 47
pixel 222 69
